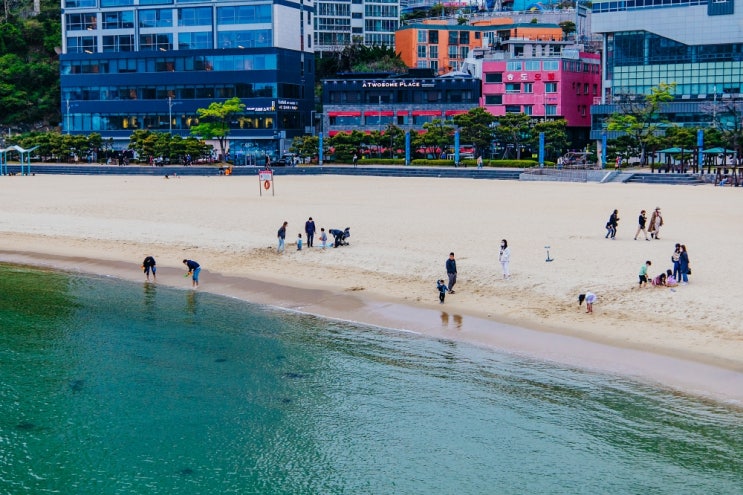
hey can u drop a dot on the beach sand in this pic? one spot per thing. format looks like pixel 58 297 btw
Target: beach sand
pixel 402 232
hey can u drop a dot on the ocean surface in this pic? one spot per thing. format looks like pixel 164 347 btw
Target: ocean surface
pixel 113 387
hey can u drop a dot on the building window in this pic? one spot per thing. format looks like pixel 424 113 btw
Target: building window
pixel 433 51
pixel 551 65
pixel 550 109
pixel 244 39
pixel 513 88
pixel 154 42
pixel 123 43
pixel 493 77
pixel 245 14
pixel 434 64
pixel 422 35
pixel 421 51
pixel 83 44
pixel 201 16
pixel 195 41
pixel 118 20
pixel 463 52
pixel 585 88
pixel 550 87
pixel 595 89
pixel 433 36
pixel 81 22
pixel 528 87
pixel 493 99
pixel 528 109
pixel 514 66
pixel 464 38
pixel 156 18
pixel 532 65
pixel 453 38
pixel 513 109
pixel 357 15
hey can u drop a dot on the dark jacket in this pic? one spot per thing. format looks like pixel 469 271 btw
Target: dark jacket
pixel 684 262
pixel 309 227
pixel 282 233
pixel 451 266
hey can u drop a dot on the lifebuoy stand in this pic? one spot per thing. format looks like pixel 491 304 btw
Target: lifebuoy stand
pixel 265 181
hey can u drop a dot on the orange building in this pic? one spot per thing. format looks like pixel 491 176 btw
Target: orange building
pixel 443 45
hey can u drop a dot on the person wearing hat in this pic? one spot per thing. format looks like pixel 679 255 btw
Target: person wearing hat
pixel 656 222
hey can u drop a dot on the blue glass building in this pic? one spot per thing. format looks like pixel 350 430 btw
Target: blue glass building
pixel 697 45
pixel 149 64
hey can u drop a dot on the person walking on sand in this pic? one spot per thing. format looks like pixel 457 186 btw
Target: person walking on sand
pixel 590 298
pixel 193 269
pixel 656 222
pixel 149 265
pixel 323 238
pixel 675 260
pixel 451 271
pixel 281 234
pixel 644 273
pixel 611 225
pixel 442 288
pixel 641 221
pixel 309 229
pixel 505 258
pixel 684 265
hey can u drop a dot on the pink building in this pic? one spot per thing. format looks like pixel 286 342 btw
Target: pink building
pixel 542 79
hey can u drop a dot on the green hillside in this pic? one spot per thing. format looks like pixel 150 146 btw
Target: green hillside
pixel 29 66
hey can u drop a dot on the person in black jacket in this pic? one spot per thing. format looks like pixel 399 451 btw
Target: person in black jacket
pixel 451 271
pixel 149 265
pixel 611 225
pixel 641 220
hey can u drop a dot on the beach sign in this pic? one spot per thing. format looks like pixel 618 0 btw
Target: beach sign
pixel 265 181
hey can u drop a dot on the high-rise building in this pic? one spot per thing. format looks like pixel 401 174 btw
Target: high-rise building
pixel 695 44
pixel 150 64
pixel 339 23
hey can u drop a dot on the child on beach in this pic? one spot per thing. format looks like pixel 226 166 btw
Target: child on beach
pixel 659 280
pixel 644 273
pixel 323 237
pixel 590 298
pixel 299 242
pixel 442 288
pixel 670 279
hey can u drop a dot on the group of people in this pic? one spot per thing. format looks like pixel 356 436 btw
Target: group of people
pixel 671 277
pixel 339 236
pixel 149 266
pixel 504 256
pixel 652 227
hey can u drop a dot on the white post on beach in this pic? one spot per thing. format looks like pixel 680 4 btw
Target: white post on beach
pixel 265 181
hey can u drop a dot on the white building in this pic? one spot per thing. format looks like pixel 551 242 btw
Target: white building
pixel 339 23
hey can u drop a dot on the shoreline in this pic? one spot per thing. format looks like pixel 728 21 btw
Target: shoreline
pixel 402 231
pixel 708 380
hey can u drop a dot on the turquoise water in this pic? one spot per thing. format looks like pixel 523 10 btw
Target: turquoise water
pixel 110 387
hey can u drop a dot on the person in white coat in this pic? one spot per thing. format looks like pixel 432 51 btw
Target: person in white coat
pixel 505 258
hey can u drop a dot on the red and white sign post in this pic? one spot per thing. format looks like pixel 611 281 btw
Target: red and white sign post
pixel 265 181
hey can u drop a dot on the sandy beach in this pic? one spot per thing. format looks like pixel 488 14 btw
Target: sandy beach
pixel 402 231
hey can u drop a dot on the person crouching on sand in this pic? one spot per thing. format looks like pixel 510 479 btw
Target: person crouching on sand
pixel 590 298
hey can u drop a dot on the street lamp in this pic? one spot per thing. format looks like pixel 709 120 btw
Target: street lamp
pixel 171 103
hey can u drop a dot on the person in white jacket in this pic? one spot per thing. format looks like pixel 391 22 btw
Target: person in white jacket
pixel 505 258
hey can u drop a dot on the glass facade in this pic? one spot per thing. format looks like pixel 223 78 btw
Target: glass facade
pixel 153 64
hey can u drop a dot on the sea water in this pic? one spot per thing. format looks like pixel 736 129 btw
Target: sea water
pixel 112 387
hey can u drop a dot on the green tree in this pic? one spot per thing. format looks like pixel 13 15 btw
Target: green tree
pixel 640 118
pixel 555 137
pixel 568 27
pixel 476 127
pixel 214 121
pixel 513 131
pixel 439 135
